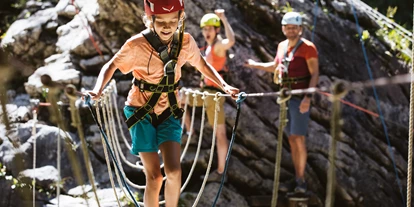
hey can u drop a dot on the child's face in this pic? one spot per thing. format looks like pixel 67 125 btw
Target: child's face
pixel 165 25
pixel 209 33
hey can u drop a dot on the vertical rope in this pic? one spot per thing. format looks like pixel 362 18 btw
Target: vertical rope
pixel 282 124
pixel 213 143
pixel 108 162
pixel 34 155
pixel 377 101
pixel 338 93
pixel 88 164
pixel 59 151
pixel 410 134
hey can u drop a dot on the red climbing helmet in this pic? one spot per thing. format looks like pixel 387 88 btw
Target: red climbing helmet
pixel 153 7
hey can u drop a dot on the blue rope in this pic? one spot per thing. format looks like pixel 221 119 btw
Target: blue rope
pixel 377 101
pixel 239 101
pixel 315 18
pixel 88 102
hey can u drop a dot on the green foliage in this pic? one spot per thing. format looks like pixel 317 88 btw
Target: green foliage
pixel 287 8
pixel 396 41
pixel 128 201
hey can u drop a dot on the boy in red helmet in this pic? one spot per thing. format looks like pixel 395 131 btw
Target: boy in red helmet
pixel 155 57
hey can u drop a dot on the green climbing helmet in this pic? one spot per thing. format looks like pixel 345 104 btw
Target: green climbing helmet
pixel 210 19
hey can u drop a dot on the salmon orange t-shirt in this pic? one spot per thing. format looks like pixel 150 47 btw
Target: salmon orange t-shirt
pixel 217 62
pixel 139 57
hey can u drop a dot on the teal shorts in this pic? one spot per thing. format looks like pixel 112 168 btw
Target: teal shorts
pixel 146 138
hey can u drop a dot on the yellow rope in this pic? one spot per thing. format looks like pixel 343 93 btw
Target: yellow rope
pixel 336 123
pixel 411 123
pixel 76 121
pixel 282 124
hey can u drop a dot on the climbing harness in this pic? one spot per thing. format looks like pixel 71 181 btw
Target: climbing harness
pixel 166 85
pixel 283 120
pixel 281 73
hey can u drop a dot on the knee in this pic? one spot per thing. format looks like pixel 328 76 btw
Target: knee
pixel 296 140
pixel 154 180
pixel 173 173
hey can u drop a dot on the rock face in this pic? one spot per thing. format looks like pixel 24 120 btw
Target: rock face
pixel 71 42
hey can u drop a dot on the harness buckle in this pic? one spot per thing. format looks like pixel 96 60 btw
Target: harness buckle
pixel 141 86
pixel 171 88
pixel 169 67
pixel 159 88
pixel 147 107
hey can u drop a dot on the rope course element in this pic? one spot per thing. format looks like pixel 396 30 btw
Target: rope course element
pixel 411 123
pixel 107 159
pixel 88 102
pixel 283 120
pixel 239 101
pixel 338 93
pixel 378 101
pixel 213 143
pixel 34 155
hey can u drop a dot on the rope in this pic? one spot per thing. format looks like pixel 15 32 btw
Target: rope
pixel 335 133
pixel 108 164
pixel 282 124
pixel 87 101
pixel 191 126
pixel 187 99
pixel 213 143
pixel 116 142
pixel 411 123
pixel 239 100
pixel 58 161
pixel 378 102
pixel 200 138
pixel 34 155
pixel 86 158
pixel 315 18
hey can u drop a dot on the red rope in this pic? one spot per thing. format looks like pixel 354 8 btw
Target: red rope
pixel 352 105
pixel 95 45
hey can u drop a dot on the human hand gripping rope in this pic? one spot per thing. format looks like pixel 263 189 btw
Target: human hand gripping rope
pixel 87 99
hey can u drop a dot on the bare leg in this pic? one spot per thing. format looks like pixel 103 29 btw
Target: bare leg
pixel 153 177
pixel 187 118
pixel 171 155
pixel 299 155
pixel 222 147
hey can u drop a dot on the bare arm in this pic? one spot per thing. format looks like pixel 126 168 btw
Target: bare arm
pixel 225 44
pixel 268 67
pixel 313 66
pixel 208 71
pixel 104 77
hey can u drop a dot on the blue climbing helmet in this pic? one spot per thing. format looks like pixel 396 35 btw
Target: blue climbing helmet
pixel 292 18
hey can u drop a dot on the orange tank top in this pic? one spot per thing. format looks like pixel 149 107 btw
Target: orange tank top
pixel 217 62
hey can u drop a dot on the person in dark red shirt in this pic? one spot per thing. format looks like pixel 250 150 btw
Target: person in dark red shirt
pixel 296 67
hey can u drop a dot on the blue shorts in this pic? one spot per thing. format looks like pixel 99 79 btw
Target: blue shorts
pixel 298 122
pixel 146 138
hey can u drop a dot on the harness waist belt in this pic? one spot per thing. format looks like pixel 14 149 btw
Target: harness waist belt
pixel 295 79
pixel 156 88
